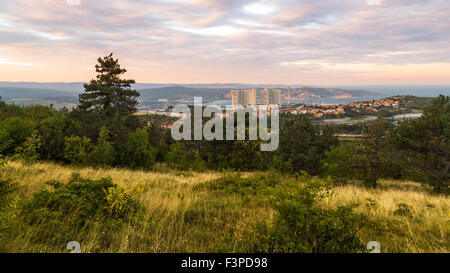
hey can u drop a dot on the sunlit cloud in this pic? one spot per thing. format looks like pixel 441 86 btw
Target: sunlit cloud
pixel 260 41
pixel 5 22
pixel 74 2
pixel 259 8
pixel 373 2
pixel 208 31
pixel 8 62
pixel 49 36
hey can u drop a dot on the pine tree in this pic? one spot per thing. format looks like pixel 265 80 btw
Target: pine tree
pixel 108 93
pixel 371 159
pixel 424 149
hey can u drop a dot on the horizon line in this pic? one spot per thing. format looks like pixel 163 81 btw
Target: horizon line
pixel 250 84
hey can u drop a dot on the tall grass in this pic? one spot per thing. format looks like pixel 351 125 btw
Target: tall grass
pixel 178 217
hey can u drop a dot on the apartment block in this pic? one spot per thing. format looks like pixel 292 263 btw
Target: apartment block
pixel 242 97
pixel 271 96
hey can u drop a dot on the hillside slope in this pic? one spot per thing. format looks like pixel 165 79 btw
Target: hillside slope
pixel 179 216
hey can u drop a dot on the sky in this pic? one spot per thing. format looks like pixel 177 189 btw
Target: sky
pixel 317 42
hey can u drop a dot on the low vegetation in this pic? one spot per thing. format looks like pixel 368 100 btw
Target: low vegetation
pixel 174 211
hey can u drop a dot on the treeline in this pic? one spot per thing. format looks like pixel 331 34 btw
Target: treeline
pixel 103 131
pixel 417 149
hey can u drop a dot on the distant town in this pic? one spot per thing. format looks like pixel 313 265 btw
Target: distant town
pixel 269 98
pixel 392 104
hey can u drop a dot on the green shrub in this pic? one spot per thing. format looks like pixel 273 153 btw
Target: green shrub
pixel 103 154
pixel 403 210
pixel 72 209
pixel 117 200
pixel 8 204
pixel 18 129
pixel 138 154
pixel 198 164
pixel 301 225
pixel 29 150
pixel 234 183
pixel 5 143
pixel 176 157
pixel 77 150
pixel 336 163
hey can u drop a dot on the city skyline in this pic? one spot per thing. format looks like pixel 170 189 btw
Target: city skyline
pixel 356 42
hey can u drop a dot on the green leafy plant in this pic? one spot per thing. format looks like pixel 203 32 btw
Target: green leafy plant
pixel 301 225
pixel 8 204
pixel 371 204
pixel 5 143
pixel 77 150
pixel 70 210
pixel 7 187
pixel 103 153
pixel 29 151
pixel 117 201
pixel 235 184
pixel 138 154
pixel 403 210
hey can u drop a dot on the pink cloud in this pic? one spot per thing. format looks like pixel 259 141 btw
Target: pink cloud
pixel 204 41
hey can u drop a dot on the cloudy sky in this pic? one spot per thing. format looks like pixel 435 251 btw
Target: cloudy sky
pixel 321 42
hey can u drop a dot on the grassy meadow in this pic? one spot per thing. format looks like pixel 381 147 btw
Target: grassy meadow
pixel 179 214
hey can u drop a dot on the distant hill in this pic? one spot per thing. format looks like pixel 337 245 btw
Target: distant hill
pixel 73 88
pixel 317 92
pixel 26 96
pixel 67 93
pixel 15 92
pixel 181 92
pixel 417 103
pixel 211 94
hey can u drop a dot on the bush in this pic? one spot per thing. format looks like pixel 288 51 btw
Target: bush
pixel 235 184
pixel 336 164
pixel 5 143
pixel 303 145
pixel 176 157
pixel 8 204
pixel 72 209
pixel 117 199
pixel 403 210
pixel 302 226
pixel 103 153
pixel 18 129
pixel 138 154
pixel 77 150
pixel 29 151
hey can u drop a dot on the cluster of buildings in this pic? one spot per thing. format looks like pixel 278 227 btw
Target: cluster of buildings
pixel 316 110
pixel 392 103
pixel 375 105
pixel 247 97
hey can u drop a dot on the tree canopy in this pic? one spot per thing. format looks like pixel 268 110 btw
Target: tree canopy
pixel 109 93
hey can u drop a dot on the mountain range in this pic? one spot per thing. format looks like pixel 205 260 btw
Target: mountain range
pixel 60 94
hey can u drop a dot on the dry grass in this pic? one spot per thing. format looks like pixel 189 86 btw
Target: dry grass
pixel 179 218
pixel 426 228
